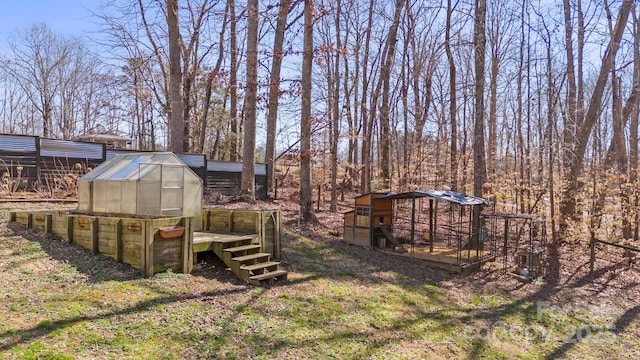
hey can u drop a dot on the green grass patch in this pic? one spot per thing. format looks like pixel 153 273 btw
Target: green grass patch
pixel 341 302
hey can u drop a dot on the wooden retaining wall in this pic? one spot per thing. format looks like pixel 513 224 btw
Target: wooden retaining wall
pixel 151 244
pixel 264 224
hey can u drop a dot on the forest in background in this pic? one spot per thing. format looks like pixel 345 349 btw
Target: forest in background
pixel 527 103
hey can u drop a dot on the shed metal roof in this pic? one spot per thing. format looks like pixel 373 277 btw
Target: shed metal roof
pixel 444 195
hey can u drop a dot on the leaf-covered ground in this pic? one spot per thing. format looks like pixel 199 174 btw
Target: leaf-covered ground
pixel 341 301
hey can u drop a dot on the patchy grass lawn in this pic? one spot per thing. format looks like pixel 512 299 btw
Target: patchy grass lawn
pixel 343 302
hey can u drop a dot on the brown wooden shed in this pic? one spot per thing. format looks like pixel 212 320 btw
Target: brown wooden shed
pixel 365 225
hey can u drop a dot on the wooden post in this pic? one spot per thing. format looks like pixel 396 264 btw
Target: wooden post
pixel 150 237
pixel 432 230
pixel 187 250
pixel 70 229
pixel 47 223
pixel 94 235
pixel 143 247
pixel 505 243
pixel 592 245
pixel 205 220
pixel 119 241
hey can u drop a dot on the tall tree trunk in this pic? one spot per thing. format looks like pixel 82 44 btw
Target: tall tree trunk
pixel 306 191
pixel 479 164
pixel 274 91
pixel 209 81
pixel 233 84
pixel 336 113
pixel 176 115
pixel 385 73
pixel 570 121
pixel 633 128
pixel 249 138
pixel 452 101
pixel 576 166
pixel 365 176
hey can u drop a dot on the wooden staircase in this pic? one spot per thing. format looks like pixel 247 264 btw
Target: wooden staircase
pixel 244 258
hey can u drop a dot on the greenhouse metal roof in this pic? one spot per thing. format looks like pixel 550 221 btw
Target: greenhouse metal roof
pixel 131 166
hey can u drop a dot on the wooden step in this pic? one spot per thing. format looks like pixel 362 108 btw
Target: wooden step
pixel 252 258
pixel 204 241
pixel 260 267
pixel 199 237
pixel 242 248
pixel 268 277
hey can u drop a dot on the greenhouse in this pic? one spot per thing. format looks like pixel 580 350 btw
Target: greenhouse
pixel 157 184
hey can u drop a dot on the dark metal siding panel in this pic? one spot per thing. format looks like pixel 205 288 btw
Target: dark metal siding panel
pixel 225 183
pixel 23 143
pixel 71 149
pixel 261 187
pixel 19 165
pixel 19 159
pixel 193 160
pixel 228 183
pixel 227 166
pixel 224 166
pixel 261 169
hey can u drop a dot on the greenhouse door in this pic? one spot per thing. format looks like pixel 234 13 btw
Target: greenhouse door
pixel 172 189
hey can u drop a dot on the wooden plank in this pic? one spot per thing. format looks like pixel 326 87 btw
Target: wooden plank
pixel 83 231
pixel 219 220
pixel 48 224
pixel 39 221
pixel 133 242
pixel 118 249
pixel 62 225
pixel 207 237
pixel 148 249
pixel 205 219
pixel 278 274
pixel 187 244
pixel 108 236
pixel 94 236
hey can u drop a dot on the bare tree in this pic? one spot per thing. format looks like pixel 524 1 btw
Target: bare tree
pixel 274 90
pixel 37 55
pixel 452 100
pixel 249 140
pixel 479 164
pixel 575 165
pixel 390 51
pixel 306 203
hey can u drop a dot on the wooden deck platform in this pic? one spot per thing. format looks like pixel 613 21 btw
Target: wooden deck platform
pixel 203 241
pixel 446 258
